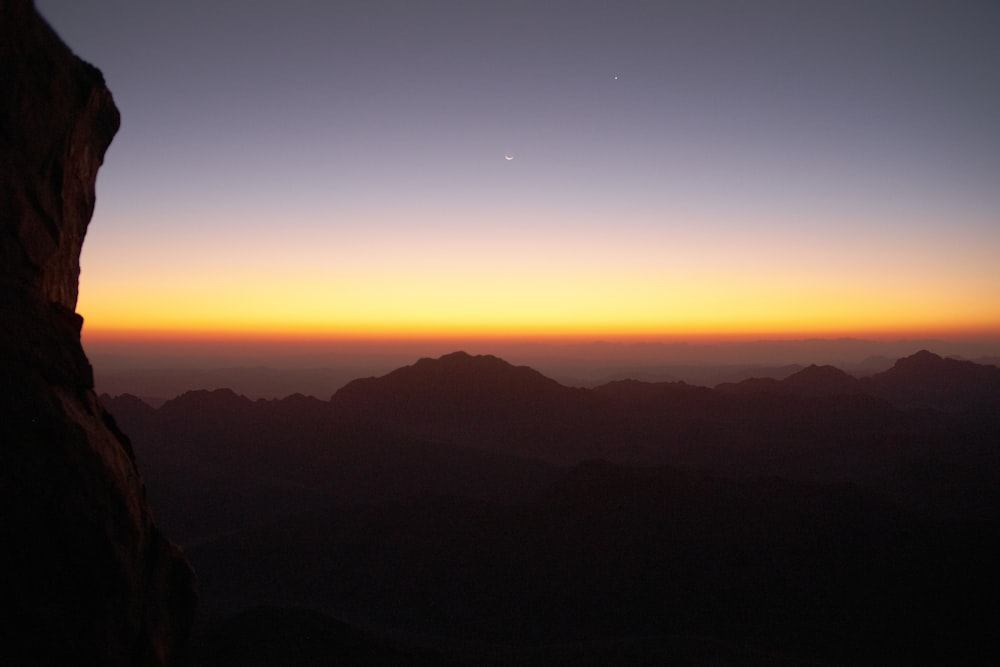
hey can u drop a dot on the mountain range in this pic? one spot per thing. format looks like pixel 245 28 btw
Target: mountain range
pixel 471 503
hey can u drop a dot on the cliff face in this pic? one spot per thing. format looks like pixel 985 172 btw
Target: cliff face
pixel 85 576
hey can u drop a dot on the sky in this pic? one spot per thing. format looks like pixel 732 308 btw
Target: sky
pixel 594 170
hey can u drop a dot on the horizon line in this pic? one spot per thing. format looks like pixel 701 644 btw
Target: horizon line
pixel 140 335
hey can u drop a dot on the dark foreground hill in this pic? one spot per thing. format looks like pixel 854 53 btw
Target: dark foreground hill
pixel 478 512
pixel 780 568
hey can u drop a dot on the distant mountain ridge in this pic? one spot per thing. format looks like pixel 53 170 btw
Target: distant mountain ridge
pixel 922 377
pixel 474 498
pixel 506 426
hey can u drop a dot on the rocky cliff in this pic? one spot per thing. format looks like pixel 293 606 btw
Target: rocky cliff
pixel 86 578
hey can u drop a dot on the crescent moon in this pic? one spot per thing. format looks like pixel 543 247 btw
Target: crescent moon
pixel 508 157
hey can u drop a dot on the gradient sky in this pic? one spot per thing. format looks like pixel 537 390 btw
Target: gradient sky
pixel 680 168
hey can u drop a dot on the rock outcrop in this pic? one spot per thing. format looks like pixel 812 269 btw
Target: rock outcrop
pixel 86 578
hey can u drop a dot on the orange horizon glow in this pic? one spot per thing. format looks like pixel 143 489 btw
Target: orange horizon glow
pixel 591 285
pixel 362 337
pixel 739 315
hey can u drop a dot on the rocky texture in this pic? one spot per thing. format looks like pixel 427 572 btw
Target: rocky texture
pixel 85 575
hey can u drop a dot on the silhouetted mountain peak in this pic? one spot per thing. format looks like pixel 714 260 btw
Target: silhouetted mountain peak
pixel 924 359
pixel 925 366
pixel 816 372
pixel 821 380
pixel 925 379
pixel 458 364
pixel 215 400
pixel 461 360
pixel 298 400
pixel 459 356
pixel 125 401
pixel 458 374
